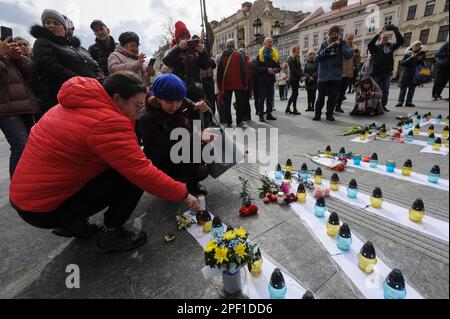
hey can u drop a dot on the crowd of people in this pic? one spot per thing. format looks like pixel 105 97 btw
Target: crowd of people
pixel 90 129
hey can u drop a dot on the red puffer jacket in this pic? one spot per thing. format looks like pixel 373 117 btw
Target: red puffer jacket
pixel 77 140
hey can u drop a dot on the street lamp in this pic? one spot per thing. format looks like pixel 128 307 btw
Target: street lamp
pixel 276 30
pixel 257 26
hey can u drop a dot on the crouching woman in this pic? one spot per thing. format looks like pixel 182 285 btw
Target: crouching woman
pixel 83 157
pixel 368 98
pixel 166 111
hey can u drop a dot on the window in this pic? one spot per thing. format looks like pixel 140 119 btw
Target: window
pixel 424 34
pixel 325 36
pixel 429 8
pixel 372 25
pixel 358 29
pixel 316 40
pixel 411 13
pixel 407 36
pixel 306 44
pixel 443 33
pixel 388 20
pixel 446 6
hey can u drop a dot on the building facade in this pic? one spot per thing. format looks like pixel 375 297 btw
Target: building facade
pixel 241 25
pixel 427 21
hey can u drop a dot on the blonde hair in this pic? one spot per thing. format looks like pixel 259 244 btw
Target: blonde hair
pixel 297 46
pixel 416 43
pixel 311 52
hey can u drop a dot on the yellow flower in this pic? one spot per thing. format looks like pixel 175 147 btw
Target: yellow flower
pixel 221 255
pixel 211 246
pixel 229 235
pixel 241 232
pixel 240 250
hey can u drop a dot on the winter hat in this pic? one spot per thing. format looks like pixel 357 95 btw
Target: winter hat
pixel 169 87
pixel 334 28
pixel 69 23
pixel 128 37
pixel 181 30
pixel 53 14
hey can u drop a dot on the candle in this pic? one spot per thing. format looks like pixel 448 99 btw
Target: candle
pixel 431 129
pixel 417 211
pixel 328 152
pixel 410 137
pixel 362 135
pixel 344 238
pixel 301 194
pixel 445 132
pixel 390 166
pixel 320 208
pixel 352 191
pixel 207 223
pixel 289 167
pixel 357 159
pixel 367 258
pixel 439 119
pixel 407 168
pixel 383 133
pixel 255 267
pixel 335 183
pixel 394 286
pixel 374 161
pixel 277 285
pixel 434 175
pixel 417 130
pixel 280 198
pixel 333 225
pixel 342 152
pixel 318 177
pixel 377 198
pixel 431 139
pixel 279 173
pixel 437 144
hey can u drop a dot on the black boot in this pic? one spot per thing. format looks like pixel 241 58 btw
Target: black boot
pixel 112 240
pixel 80 229
pixel 296 112
pixel 270 117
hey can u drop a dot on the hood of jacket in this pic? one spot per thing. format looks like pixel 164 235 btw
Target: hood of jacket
pixel 40 32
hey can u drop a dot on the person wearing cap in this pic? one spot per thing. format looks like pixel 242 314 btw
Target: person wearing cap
pixel 70 27
pixel 126 57
pixel 186 61
pixel 59 58
pixel 330 57
pixel 104 45
pixel 83 157
pixel 166 111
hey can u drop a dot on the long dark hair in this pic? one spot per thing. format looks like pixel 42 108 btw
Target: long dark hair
pixel 124 83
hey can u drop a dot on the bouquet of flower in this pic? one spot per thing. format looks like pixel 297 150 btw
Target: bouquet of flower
pixel 231 251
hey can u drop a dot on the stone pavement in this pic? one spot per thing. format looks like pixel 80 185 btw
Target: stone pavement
pixel 33 262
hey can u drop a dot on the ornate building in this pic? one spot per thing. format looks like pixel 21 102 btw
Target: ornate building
pixel 251 24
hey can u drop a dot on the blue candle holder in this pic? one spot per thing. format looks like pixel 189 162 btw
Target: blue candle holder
pixel 357 160
pixel 434 178
pixel 373 163
pixel 394 286
pixel 279 175
pixel 277 285
pixel 390 166
pixel 410 137
pixel 320 208
pixel 431 140
pixel 277 293
pixel 352 193
pixel 305 175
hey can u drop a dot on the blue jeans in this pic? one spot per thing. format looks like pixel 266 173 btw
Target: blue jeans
pixel 409 98
pixel 384 81
pixel 16 130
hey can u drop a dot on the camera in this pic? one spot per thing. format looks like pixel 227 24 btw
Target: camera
pixel 391 27
pixel 6 33
pixel 332 49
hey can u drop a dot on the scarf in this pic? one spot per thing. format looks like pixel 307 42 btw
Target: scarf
pixel 269 54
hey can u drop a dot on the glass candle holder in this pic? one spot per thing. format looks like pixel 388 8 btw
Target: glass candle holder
pixel 447 143
pixel 255 267
pixel 301 197
pixel 362 135
pixel 417 211
pixel 445 132
pixel 335 183
pixel 277 285
pixel 207 223
pixel 217 228
pixel 285 188
pixel 394 287
pixel 439 119
pixel 344 238
pixel 431 139
pixel 357 159
pixel 376 200
pixel 304 172
pixel 352 190
pixel 333 226
pixel 431 130
pixel 407 168
pixel 437 146
pixel 390 166
pixel 434 175
pixel 289 167
pixel 281 197
pixel 279 174
pixel 416 130
pixel 383 133
pixel 320 208
pixel 328 152
pixel 367 259
pixel 318 176
pixel 429 117
pixel 410 137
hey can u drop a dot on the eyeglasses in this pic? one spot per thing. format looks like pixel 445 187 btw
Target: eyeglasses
pixel 140 106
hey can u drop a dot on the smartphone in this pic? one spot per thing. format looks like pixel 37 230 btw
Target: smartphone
pixel 152 62
pixel 192 45
pixel 6 33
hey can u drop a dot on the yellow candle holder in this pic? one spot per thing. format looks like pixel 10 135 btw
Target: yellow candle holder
pixel 376 202
pixel 256 267
pixel 446 143
pixel 445 134
pixel 367 265
pixel 318 179
pixel 362 137
pixel 416 216
pixel 328 154
pixel 334 186
pixel 383 134
pixel 416 131
pixel 406 171
pixel 429 132
pixel 301 197
pixel 333 230
pixel 207 226
pixel 289 168
pixel 437 147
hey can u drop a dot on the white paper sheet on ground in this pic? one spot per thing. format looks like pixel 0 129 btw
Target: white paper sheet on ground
pixel 415 142
pixel 430 226
pixel 429 149
pixel 432 122
pixel 253 287
pixel 423 134
pixel 347 261
pixel 414 178
pixel 358 140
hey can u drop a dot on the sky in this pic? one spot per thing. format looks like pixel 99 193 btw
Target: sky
pixel 148 18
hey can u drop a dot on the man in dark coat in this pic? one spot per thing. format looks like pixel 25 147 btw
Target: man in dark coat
pixel 383 59
pixel 267 65
pixel 441 79
pixel 59 58
pixel 104 45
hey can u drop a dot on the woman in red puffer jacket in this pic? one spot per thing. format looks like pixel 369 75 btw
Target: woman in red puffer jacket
pixel 83 157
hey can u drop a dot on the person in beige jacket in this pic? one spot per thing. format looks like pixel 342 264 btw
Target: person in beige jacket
pixel 126 57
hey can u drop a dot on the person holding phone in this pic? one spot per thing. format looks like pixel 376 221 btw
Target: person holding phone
pixel 186 57
pixel 83 157
pixel 59 58
pixel 18 105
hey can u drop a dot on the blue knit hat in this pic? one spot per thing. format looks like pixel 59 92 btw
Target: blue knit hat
pixel 169 87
